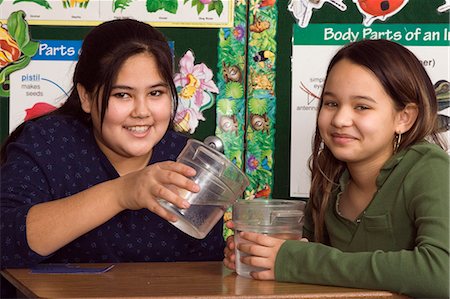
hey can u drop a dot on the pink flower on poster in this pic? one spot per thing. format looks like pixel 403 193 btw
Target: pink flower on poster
pixel 195 89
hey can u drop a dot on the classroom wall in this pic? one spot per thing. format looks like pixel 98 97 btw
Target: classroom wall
pixel 414 12
pixel 204 43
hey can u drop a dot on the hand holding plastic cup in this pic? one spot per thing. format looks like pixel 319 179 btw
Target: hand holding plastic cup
pixel 278 218
pixel 221 184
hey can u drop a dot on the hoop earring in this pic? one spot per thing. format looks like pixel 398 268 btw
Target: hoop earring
pixel 397 141
pixel 321 145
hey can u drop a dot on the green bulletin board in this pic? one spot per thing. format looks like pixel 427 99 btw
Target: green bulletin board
pixel 204 44
pixel 414 12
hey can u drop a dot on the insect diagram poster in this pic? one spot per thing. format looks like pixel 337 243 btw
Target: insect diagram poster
pixel 45 83
pixel 167 13
pixel 313 48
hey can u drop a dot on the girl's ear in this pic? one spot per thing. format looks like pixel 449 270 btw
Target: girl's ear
pixel 85 99
pixel 407 117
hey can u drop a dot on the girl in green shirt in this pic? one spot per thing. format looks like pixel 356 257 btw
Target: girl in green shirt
pixel 378 212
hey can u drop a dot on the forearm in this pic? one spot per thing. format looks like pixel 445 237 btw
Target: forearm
pixel 51 225
pixel 421 272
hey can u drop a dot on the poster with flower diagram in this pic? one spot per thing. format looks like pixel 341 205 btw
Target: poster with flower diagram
pixel 159 13
pixel 45 83
pixel 313 48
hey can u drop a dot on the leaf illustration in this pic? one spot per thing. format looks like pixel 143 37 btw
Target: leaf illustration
pixel 121 4
pixel 170 6
pixel 234 90
pixel 217 6
pixel 257 106
pixel 18 28
pixel 30 49
pixel 18 65
pixel 208 104
pixel 153 5
pixel 226 107
pixel 43 3
pixel 200 7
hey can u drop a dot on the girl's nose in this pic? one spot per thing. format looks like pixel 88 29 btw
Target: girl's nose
pixel 342 117
pixel 141 110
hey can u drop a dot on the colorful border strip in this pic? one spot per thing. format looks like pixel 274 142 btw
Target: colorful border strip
pixel 231 81
pixel 261 100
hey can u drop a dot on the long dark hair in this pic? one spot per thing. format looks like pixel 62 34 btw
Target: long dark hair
pixel 406 81
pixel 104 50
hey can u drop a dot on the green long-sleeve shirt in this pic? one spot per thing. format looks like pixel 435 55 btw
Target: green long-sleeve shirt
pixel 399 243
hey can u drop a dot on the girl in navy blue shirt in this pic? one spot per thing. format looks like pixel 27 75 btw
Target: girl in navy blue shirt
pixel 82 183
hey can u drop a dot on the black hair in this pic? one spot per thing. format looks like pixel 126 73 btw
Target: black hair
pixel 104 50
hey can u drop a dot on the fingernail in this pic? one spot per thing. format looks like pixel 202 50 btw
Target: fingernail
pixel 186 204
pixel 196 188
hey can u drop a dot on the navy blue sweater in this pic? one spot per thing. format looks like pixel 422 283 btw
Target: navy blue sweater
pixel 57 156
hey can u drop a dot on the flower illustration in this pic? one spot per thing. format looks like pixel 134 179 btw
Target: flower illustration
pixel 9 50
pixel 75 3
pixel 254 6
pixel 210 5
pixel 239 32
pixel 195 87
pixel 16 48
pixel 252 163
pixel 187 119
pixel 249 195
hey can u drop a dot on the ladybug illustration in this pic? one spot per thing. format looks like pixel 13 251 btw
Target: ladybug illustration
pixel 380 7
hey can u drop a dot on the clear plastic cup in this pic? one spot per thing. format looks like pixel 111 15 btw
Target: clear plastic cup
pixel 221 184
pixel 274 217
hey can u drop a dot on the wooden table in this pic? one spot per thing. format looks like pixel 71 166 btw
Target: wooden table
pixel 171 280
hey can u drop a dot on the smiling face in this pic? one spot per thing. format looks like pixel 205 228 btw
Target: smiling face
pixel 357 120
pixel 138 113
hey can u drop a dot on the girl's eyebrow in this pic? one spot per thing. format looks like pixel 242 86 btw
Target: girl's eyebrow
pixel 368 98
pixel 353 97
pixel 327 93
pixel 160 84
pixel 121 87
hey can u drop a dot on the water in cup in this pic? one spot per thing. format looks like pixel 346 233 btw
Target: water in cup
pixel 197 220
pixel 221 183
pixel 274 217
pixel 244 269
